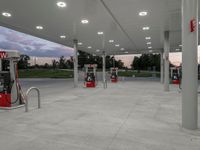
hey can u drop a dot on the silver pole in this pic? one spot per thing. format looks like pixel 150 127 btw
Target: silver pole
pixel 113 61
pixel 75 63
pixel 161 68
pixel 14 90
pixel 190 65
pixel 166 58
pixel 104 69
pixel 0 64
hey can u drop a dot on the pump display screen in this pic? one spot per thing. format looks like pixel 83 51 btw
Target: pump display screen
pixel 1 85
pixel 90 70
pixel 5 82
pixel 5 65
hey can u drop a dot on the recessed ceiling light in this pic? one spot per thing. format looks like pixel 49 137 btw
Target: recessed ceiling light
pixel 89 47
pixel 149 47
pixel 143 13
pixel 100 33
pixel 151 51
pixel 84 21
pixel 61 4
pixel 39 27
pixel 126 52
pixel 97 50
pixel 79 43
pixel 148 38
pixel 6 14
pixel 180 45
pixel 62 36
pixel 177 49
pixel 148 43
pixel 122 49
pixel 111 41
pixel 145 28
pixel 117 45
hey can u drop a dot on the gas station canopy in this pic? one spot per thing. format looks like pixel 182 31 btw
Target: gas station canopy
pixel 116 26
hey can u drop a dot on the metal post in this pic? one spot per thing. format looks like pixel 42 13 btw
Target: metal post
pixel 113 61
pixel 26 98
pixel 0 64
pixel 75 63
pixel 190 64
pixel 161 68
pixel 14 89
pixel 166 59
pixel 104 69
pixel 171 72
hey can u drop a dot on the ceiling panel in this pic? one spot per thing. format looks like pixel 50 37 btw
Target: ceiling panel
pixel 118 19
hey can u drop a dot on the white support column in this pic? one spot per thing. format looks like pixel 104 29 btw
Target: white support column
pixel 190 65
pixel 161 68
pixel 75 63
pixel 104 69
pixel 166 60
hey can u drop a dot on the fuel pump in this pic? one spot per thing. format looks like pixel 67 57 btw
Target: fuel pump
pixel 11 95
pixel 114 75
pixel 90 75
pixel 175 73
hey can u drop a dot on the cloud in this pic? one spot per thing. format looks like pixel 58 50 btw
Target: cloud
pixel 31 45
pixel 11 46
pixel 43 53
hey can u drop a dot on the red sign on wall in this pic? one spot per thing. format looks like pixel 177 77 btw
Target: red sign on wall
pixel 3 55
pixel 193 25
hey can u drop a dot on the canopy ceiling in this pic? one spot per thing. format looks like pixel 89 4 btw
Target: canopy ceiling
pixel 117 19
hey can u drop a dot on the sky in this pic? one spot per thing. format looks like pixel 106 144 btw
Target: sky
pixel 45 50
pixel 30 45
pixel 175 58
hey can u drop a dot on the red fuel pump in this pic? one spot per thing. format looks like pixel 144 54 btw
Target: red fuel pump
pixel 10 91
pixel 114 75
pixel 175 75
pixel 90 75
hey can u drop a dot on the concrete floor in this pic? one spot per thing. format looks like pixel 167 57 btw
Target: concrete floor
pixel 134 115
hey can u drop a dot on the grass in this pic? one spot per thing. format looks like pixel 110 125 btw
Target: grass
pixel 45 73
pixel 136 74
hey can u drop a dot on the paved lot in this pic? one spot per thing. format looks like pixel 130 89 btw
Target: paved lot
pixel 134 115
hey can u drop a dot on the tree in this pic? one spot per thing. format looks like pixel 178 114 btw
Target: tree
pixel 86 58
pixel 54 64
pixel 119 64
pixel 136 64
pixel 147 62
pixel 46 66
pixel 23 62
pixel 62 62
pixel 70 63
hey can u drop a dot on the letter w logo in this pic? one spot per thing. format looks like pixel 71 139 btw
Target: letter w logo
pixel 3 54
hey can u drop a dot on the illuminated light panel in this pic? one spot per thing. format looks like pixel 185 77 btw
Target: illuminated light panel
pixel 39 27
pixel 6 14
pixel 145 28
pixel 148 38
pixel 143 13
pixel 89 47
pixel 84 21
pixel 61 4
pixel 100 33
pixel 62 36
